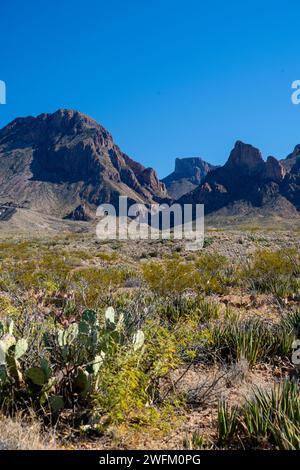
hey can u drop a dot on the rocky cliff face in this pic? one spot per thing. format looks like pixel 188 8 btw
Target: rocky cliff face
pixel 246 180
pixel 188 174
pixel 292 158
pixel 63 161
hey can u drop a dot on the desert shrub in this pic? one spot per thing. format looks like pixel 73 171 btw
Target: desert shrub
pixel 268 419
pixel 90 284
pixel 213 273
pixel 35 274
pixel 129 391
pixel 7 306
pixel 275 272
pixel 170 277
pixel 106 256
pixel 122 393
pixel 208 273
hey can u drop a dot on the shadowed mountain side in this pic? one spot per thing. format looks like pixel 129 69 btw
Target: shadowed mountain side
pixel 56 162
pixel 247 184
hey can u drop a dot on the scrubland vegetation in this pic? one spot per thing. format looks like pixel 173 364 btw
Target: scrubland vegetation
pixel 109 345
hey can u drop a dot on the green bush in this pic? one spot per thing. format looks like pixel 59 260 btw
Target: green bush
pixel 276 272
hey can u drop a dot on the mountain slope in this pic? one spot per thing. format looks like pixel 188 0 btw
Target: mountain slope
pixel 188 174
pixel 65 162
pixel 248 185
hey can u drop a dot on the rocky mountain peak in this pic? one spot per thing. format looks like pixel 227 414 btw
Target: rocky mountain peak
pixel 246 157
pixel 70 159
pixel 188 174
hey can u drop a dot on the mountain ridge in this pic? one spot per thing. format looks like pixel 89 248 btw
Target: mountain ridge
pixel 65 164
pixel 247 180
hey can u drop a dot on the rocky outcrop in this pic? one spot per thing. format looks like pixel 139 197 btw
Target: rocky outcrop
pixel 274 170
pixel 245 159
pixel 80 213
pixel 246 179
pixel 292 158
pixel 188 174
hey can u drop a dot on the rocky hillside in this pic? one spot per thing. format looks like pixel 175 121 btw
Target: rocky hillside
pixel 65 164
pixel 188 174
pixel 247 184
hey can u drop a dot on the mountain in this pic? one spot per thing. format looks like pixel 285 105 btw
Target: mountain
pixel 247 185
pixel 65 164
pixel 291 159
pixel 188 174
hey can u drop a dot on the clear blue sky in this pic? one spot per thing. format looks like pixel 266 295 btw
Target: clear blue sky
pixel 166 78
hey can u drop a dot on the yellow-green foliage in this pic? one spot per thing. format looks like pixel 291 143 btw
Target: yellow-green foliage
pixel 170 277
pixel 129 386
pixel 277 272
pixel 122 395
pixel 106 256
pixel 161 349
pixel 212 273
pixel 90 284
pixel 6 306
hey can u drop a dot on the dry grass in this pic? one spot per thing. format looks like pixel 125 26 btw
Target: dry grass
pixel 24 434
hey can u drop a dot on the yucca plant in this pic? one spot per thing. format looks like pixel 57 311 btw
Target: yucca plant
pixel 253 339
pixel 268 419
pixel 249 339
pixel 227 423
pixel 291 322
pixel 194 442
pixel 285 433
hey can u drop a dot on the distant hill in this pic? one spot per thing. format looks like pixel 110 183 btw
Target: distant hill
pixel 188 174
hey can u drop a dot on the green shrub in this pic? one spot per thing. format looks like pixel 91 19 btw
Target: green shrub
pixel 171 277
pixel 275 272
pixel 213 273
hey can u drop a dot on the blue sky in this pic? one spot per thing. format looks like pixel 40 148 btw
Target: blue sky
pixel 166 78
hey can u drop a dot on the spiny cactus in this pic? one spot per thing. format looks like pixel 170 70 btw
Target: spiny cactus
pixel 73 358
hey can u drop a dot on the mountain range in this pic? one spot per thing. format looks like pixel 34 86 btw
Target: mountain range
pixel 65 164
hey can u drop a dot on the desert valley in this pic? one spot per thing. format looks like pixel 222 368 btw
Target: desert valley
pixel 144 344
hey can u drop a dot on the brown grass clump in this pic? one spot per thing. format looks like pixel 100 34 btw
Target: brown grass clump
pixel 20 434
